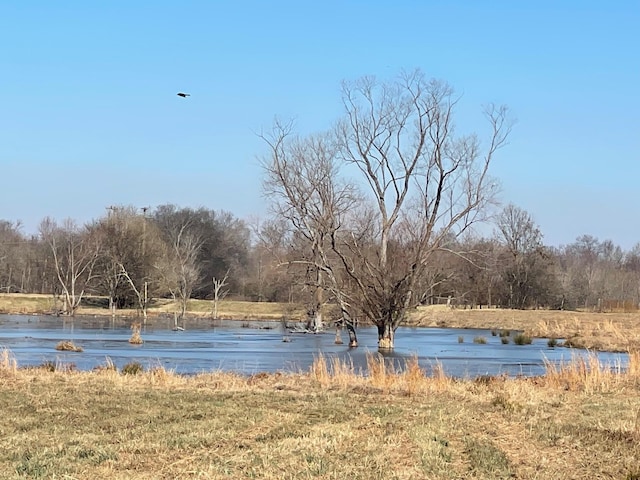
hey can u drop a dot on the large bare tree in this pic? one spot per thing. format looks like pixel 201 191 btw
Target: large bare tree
pixel 302 179
pixel 181 270
pixel 422 185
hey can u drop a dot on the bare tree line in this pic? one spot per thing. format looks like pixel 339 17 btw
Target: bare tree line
pixel 128 257
pixel 512 268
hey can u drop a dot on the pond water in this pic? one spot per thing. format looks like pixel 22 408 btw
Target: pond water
pixel 258 346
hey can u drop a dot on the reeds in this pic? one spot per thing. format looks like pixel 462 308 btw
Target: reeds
pixel 380 376
pixel 68 346
pixel 580 373
pixel 8 361
pixel 333 371
pixel 522 339
pixel 633 368
pixel 136 339
pixel 588 373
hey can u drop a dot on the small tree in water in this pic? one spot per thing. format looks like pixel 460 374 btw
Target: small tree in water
pixel 422 187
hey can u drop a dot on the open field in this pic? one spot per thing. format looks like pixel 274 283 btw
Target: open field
pixel 329 423
pixel 17 303
pixel 599 331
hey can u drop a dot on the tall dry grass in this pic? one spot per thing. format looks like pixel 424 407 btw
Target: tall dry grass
pixel 633 368
pixel 584 373
pixel 381 376
pixel 588 373
pixel 8 361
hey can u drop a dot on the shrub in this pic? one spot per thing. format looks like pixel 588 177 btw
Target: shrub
pixel 132 368
pixel 494 332
pixel 522 339
pixel 136 339
pixel 552 342
pixel 573 342
pixel 460 339
pixel 68 346
pixel 504 340
pixel 480 339
pixel 504 333
pixel 48 366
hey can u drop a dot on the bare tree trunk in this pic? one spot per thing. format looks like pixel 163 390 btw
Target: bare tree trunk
pixel 141 295
pixel 385 336
pixel 338 339
pixel 218 293
pixel 353 338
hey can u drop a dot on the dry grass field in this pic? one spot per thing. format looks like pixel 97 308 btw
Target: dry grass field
pixel 598 331
pixel 17 303
pixel 578 422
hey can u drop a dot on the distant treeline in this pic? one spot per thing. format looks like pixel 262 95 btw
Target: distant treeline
pixel 130 256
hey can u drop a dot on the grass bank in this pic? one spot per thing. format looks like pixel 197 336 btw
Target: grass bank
pixel 17 303
pixel 579 421
pixel 618 332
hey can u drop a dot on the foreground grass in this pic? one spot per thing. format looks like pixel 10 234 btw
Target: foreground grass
pixel 579 421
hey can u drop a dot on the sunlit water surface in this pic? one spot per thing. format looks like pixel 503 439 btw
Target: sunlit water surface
pixel 252 347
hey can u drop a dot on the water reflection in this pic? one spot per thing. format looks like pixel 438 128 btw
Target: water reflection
pixel 258 347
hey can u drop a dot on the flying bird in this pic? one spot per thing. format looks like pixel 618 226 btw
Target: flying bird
pixel 184 95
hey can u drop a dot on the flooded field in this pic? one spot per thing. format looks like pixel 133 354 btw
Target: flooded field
pixel 252 347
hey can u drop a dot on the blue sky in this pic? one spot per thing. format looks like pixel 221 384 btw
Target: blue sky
pixel 90 117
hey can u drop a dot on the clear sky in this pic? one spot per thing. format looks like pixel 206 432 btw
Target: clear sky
pixel 89 115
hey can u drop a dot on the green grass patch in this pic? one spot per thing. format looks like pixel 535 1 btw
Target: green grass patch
pixel 486 459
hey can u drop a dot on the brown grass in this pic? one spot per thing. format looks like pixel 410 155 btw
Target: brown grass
pixel 330 422
pixel 8 362
pixel 19 303
pixel 597 331
pixel 68 346
pixel 589 374
pixel 136 338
